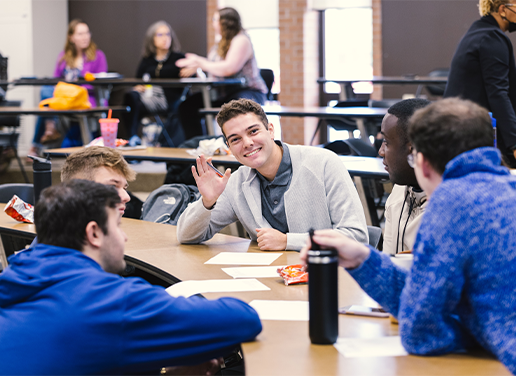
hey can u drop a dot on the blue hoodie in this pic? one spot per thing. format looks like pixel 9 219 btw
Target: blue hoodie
pixel 60 313
pixel 460 291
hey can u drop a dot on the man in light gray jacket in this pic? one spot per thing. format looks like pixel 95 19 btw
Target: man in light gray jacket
pixel 278 195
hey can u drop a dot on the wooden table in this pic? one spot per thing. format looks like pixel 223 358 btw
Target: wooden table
pixel 346 89
pixel 107 83
pixel 283 347
pixel 81 115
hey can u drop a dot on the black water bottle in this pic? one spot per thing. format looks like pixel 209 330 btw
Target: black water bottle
pixel 42 173
pixel 323 294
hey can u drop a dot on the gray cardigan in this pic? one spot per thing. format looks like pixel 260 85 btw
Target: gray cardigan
pixel 321 196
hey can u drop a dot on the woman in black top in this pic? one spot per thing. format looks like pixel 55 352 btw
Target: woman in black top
pixel 483 70
pixel 161 50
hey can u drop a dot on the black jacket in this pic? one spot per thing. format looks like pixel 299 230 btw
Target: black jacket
pixel 483 71
pixel 168 70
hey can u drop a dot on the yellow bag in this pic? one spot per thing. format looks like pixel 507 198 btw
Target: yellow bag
pixel 67 97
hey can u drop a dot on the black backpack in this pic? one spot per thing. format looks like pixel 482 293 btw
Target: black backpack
pixel 165 204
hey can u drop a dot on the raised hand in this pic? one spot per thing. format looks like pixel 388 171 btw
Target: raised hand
pixel 210 184
pixel 270 239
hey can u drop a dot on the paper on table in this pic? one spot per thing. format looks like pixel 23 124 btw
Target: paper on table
pixel 189 288
pixel 287 310
pixel 253 272
pixel 370 347
pixel 239 258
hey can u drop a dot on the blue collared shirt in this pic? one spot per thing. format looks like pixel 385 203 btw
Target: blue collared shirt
pixel 273 192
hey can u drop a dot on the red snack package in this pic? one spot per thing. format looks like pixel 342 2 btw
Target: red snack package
pixel 20 210
pixel 293 274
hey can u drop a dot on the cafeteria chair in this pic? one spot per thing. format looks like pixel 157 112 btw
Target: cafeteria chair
pixel 268 77
pixel 23 191
pixel 9 136
pixel 435 90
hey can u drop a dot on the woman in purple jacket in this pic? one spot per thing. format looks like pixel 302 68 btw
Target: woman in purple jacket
pixel 80 56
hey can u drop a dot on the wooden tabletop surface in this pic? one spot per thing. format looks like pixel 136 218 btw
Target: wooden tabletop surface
pixel 283 347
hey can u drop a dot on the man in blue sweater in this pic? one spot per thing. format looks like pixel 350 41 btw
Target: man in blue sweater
pixel 460 291
pixel 64 311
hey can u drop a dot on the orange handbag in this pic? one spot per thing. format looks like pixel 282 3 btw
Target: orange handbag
pixel 67 97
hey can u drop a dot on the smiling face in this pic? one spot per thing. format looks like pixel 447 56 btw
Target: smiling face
pixel 108 176
pixel 394 151
pixel 81 37
pixel 162 38
pixel 252 144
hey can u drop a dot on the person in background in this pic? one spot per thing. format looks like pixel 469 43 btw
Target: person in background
pixel 483 70
pixel 66 311
pixel 232 57
pixel 459 293
pixel 161 50
pixel 280 192
pixel 407 201
pixel 79 57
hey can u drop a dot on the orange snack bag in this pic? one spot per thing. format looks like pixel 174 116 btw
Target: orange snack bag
pixel 293 274
pixel 20 210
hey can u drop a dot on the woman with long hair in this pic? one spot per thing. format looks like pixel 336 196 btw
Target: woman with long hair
pixel 161 50
pixel 483 70
pixel 80 55
pixel 232 57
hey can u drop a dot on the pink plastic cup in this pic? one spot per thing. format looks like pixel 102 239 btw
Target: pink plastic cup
pixel 108 130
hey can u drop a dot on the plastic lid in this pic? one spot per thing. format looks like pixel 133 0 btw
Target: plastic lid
pixel 112 120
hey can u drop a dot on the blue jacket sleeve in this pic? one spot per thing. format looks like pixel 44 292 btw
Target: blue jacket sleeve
pixel 425 299
pixel 160 330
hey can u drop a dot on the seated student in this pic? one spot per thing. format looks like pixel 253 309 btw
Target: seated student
pixel 161 50
pixel 102 165
pixel 278 195
pixel 232 56
pixel 407 201
pixel 65 311
pixel 80 56
pixel 460 291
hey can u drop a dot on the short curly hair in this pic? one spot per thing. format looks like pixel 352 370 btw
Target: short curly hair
pixel 486 7
pixel 239 107
pixel 449 127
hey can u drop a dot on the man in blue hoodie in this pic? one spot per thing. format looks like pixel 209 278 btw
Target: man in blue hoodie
pixel 64 311
pixel 459 293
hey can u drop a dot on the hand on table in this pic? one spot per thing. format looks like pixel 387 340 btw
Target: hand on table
pixel 351 253
pixel 139 88
pixel 187 72
pixel 270 239
pixel 210 184
pixel 207 368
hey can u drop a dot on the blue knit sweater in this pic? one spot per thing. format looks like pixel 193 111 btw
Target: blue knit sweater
pixel 461 290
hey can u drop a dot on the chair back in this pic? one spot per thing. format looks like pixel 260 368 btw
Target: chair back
pixel 268 77
pixel 438 89
pixel 375 234
pixel 23 191
pixel 361 148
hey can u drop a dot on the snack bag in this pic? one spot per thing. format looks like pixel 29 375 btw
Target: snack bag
pixel 20 210
pixel 293 274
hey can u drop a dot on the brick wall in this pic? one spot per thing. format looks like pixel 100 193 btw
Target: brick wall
pixel 377 46
pixel 298 65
